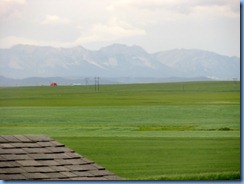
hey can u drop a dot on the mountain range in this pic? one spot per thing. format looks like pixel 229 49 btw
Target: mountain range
pixel 115 61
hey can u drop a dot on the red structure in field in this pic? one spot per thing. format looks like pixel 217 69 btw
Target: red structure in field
pixel 53 84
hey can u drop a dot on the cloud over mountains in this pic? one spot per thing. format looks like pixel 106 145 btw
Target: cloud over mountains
pixel 154 24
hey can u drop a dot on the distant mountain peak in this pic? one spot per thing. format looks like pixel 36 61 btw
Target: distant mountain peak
pixel 116 60
pixel 123 49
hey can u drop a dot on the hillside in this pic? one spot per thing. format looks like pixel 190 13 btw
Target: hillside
pixel 200 63
pixel 22 61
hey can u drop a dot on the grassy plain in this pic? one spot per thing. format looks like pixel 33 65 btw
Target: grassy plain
pixel 168 131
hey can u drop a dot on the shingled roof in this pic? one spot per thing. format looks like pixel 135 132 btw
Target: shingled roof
pixel 39 157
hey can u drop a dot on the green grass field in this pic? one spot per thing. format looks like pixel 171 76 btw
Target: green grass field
pixel 167 131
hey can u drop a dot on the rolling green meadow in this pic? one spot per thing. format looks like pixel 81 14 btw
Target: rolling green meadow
pixel 163 131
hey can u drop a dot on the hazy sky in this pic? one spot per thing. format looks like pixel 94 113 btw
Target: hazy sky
pixel 155 25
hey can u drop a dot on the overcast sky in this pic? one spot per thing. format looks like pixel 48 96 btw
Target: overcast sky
pixel 156 25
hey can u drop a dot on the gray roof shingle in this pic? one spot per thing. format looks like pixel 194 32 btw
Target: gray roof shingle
pixel 39 157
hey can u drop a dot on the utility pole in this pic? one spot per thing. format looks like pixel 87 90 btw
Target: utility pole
pixel 87 82
pixel 97 83
pixel 86 79
pixel 235 80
